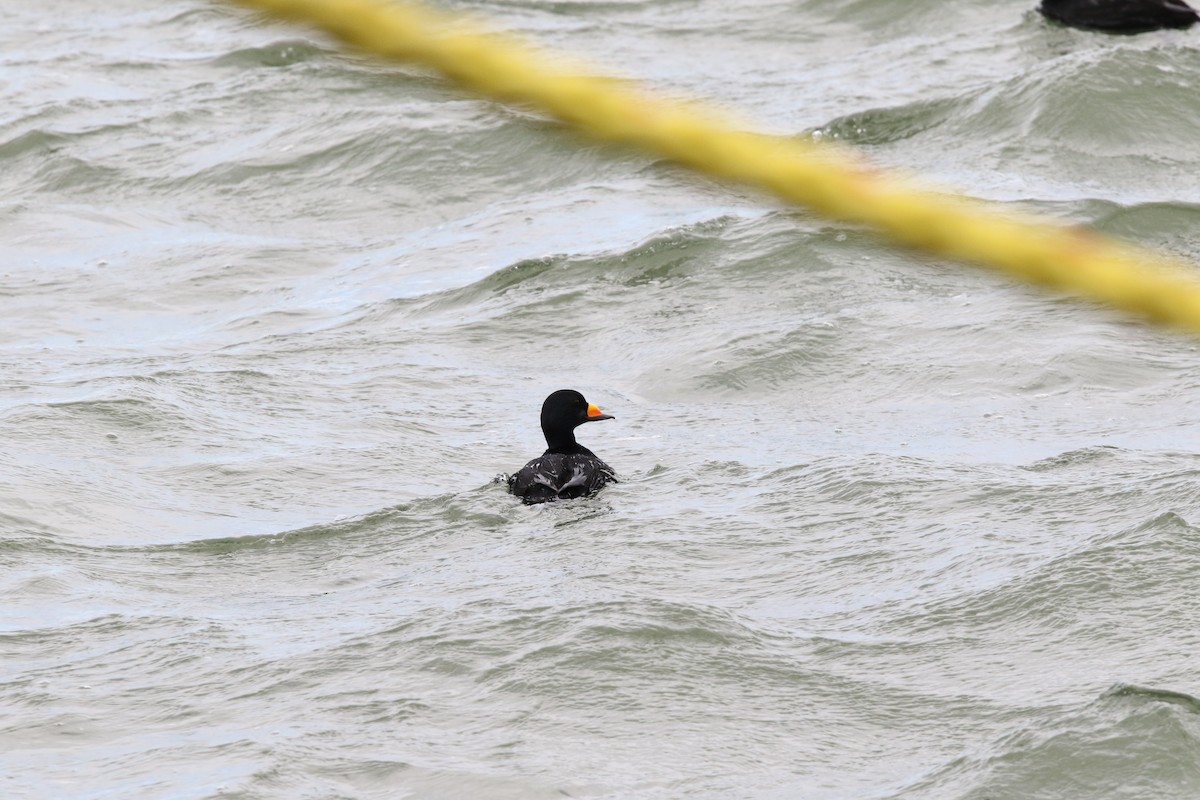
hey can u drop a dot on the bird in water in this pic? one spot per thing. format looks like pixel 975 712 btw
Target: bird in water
pixel 1120 16
pixel 567 469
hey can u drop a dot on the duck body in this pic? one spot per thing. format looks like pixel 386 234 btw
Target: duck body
pixel 567 469
pixel 560 476
pixel 1120 16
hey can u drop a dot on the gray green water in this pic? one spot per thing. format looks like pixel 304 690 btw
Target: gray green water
pixel 890 527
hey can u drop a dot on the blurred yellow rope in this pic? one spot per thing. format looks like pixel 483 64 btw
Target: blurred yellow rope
pixel 828 180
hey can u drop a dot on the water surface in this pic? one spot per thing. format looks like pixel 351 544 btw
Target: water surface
pixel 889 527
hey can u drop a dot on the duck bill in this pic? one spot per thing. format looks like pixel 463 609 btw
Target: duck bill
pixel 595 414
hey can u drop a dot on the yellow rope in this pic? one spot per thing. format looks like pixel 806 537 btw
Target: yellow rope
pixel 828 180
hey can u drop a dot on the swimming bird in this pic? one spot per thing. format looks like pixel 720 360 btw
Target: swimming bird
pixel 1120 16
pixel 567 469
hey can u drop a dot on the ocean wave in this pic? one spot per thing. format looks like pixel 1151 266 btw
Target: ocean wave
pixel 1128 742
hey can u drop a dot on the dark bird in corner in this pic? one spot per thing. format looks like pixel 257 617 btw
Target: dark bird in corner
pixel 567 469
pixel 1120 16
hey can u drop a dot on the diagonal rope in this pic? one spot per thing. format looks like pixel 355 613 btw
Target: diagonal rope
pixel 828 180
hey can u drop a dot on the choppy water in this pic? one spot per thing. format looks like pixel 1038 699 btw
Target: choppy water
pixel 890 528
